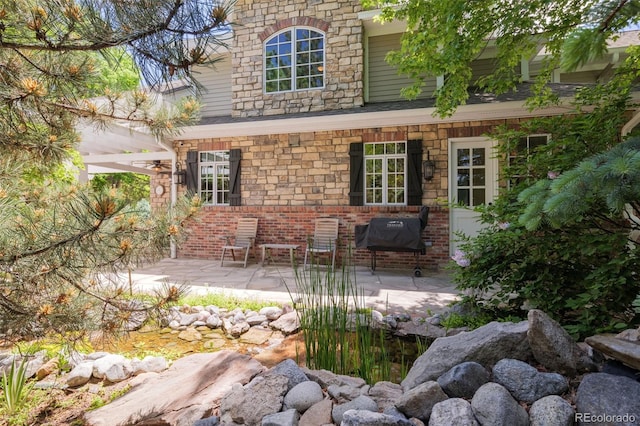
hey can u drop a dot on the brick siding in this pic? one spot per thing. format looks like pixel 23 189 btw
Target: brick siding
pixel 293 225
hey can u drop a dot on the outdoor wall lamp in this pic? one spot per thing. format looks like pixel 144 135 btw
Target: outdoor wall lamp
pixel 180 176
pixel 428 168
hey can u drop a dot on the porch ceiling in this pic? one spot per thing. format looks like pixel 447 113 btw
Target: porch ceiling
pixel 117 148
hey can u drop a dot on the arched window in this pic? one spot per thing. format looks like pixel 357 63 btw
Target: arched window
pixel 294 60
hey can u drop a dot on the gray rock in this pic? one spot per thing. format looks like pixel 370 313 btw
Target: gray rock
pixel 319 414
pixel 149 364
pixel 552 346
pixel 551 410
pixel 214 321
pixel 452 412
pixel 463 380
pixel 303 395
pixel 283 418
pixel 344 393
pixel 256 320
pixel 422 329
pixel 187 319
pixel 113 368
pixel 185 392
pixel 208 421
pixel 80 374
pixel 239 328
pixel 493 405
pixel 525 382
pixel 272 313
pixel 360 403
pixel 326 378
pixel 287 323
pixel 601 394
pixel 625 351
pixel 249 404
pixel 291 370
pixel 370 418
pixel 485 345
pixel 385 394
pixel 419 401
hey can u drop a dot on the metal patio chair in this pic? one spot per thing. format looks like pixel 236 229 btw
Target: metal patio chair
pixel 244 239
pixel 324 240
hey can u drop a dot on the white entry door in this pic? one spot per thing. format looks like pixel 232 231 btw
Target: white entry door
pixel 473 181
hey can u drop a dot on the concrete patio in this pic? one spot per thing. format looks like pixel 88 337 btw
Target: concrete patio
pixel 387 290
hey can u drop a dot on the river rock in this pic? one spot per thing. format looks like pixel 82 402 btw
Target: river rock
pixel 283 418
pixel 419 401
pixel 525 382
pixel 551 410
pixel 463 380
pixel 452 411
pixel 113 368
pixel 625 351
pixel 247 405
pixel 493 405
pixel 360 403
pixel 288 323
pixel 601 394
pixel 385 394
pixel 291 371
pixel 485 345
pixel 303 395
pixel 149 364
pixel 553 347
pixel 80 374
pixel 318 414
pixel 272 313
pixel 185 392
pixel 371 418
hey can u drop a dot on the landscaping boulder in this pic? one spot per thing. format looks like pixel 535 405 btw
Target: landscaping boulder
pixel 463 380
pixel 601 394
pixel 485 345
pixel 493 405
pixel 185 392
pixel 526 383
pixel 452 411
pixel 553 347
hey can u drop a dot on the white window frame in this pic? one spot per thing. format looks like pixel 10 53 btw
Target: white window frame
pixel 294 56
pixel 385 157
pixel 524 155
pixel 211 196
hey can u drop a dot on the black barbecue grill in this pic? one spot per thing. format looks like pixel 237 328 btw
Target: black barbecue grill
pixel 394 234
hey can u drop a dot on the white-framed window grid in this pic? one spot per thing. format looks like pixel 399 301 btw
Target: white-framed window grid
pixel 385 173
pixel 213 177
pixel 520 154
pixel 294 60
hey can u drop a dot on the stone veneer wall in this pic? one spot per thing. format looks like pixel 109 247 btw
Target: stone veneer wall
pixel 288 180
pixel 343 56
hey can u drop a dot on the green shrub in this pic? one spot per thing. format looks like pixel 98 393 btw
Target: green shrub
pixel 585 279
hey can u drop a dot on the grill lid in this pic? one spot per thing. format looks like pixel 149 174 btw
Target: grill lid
pixel 381 232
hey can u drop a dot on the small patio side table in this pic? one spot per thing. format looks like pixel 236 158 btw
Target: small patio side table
pixel 290 247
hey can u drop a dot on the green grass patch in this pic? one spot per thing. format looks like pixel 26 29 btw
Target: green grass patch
pixel 224 300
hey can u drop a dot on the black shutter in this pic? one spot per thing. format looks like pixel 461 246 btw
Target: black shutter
pixel 356 177
pixel 414 169
pixel 234 177
pixel 192 172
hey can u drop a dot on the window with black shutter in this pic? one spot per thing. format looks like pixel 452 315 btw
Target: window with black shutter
pixel 386 173
pixel 214 176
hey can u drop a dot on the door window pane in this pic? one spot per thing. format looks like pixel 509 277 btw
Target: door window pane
pixel 463 157
pixel 463 197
